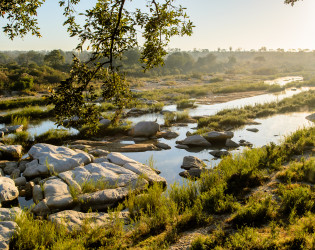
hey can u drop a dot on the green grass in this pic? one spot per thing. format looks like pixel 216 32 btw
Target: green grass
pixel 172 117
pixel 35 112
pixel 242 87
pixel 169 118
pixel 299 171
pixel 90 186
pixel 22 102
pixel 54 136
pixel 183 104
pixel 179 93
pixel 259 210
pixel 20 138
pixel 102 131
pixel 20 120
pixel 296 199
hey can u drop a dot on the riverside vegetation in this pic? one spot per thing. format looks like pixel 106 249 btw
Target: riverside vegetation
pixel 229 201
pixel 234 118
pixel 260 198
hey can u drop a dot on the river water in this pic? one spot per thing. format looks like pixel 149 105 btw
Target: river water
pixel 271 129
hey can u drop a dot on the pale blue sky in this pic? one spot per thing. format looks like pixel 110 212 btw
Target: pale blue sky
pixel 247 24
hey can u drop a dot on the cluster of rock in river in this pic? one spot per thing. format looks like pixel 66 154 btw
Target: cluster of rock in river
pixel 66 182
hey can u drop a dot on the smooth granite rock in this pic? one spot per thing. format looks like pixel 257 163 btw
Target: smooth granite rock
pixel 192 162
pixel 74 220
pixel 9 152
pixel 50 159
pixel 7 229
pixel 8 190
pixel 215 136
pixel 145 129
pixel 197 141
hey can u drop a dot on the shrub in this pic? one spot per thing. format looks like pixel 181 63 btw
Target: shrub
pixel 184 196
pixel 180 116
pixel 25 82
pixel 54 136
pixel 20 120
pixel 182 104
pixel 299 171
pixel 169 118
pixel 216 201
pixel 258 210
pixel 296 200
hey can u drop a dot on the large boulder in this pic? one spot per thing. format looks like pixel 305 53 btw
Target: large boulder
pixel 231 144
pixel 311 117
pixel 49 159
pixel 101 175
pixel 219 153
pixel 140 169
pixel 9 152
pixel 105 122
pixel 10 166
pixel 38 194
pixel 7 229
pixel 98 186
pixel 215 136
pixel 8 190
pixel 192 162
pixel 119 159
pixel 192 173
pixel 74 220
pixel 12 129
pixel 255 130
pixel 103 199
pixel 57 194
pixel 196 141
pixel 7 225
pixel 168 134
pixel 9 214
pixel 145 129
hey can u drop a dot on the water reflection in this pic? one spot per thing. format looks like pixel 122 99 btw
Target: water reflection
pixel 284 80
pixel 271 129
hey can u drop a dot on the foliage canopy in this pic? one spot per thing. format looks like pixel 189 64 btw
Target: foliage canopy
pixel 110 28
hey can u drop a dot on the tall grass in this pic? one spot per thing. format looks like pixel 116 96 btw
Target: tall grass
pixel 22 102
pixel 171 117
pixel 35 112
pixel 54 136
pixel 183 104
pixel 20 120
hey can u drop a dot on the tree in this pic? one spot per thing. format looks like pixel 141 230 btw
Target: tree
pixel 109 30
pixel 292 2
pixel 131 57
pixel 179 61
pixel 259 59
pixel 206 63
pixel 54 58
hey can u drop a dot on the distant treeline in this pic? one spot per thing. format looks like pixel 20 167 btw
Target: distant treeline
pixel 24 70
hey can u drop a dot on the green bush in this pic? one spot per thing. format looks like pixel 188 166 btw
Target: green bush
pixel 25 82
pixel 299 171
pixel 258 210
pixel 182 104
pixel 216 201
pixel 296 200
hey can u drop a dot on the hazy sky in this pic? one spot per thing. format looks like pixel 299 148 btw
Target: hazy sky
pixel 246 24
